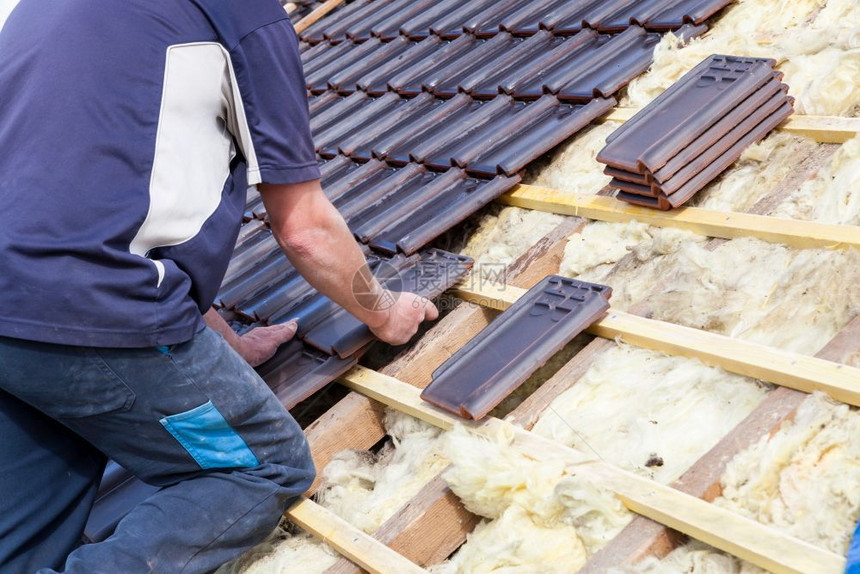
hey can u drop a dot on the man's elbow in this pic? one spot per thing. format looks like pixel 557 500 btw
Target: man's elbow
pixel 306 243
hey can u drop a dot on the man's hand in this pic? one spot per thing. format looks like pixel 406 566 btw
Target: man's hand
pixel 259 344
pixel 403 318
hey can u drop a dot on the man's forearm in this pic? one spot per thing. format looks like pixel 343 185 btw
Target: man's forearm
pixel 323 250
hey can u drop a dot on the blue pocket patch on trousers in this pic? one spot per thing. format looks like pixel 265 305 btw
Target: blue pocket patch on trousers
pixel 209 438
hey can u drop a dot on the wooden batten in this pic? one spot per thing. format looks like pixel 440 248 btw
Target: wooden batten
pixel 316 14
pixel 349 541
pixel 722 224
pixel 799 372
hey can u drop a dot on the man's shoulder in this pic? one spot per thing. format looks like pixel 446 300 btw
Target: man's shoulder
pixel 235 19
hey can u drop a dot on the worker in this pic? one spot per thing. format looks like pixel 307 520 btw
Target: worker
pixel 129 134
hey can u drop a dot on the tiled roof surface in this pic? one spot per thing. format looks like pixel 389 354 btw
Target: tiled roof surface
pixel 417 19
pixel 424 111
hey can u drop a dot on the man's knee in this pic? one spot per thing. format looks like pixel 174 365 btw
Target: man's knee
pixel 290 453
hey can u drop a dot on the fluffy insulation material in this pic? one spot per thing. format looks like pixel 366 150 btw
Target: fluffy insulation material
pixel 573 166
pixel 833 195
pixel 501 238
pixel 815 45
pixel 544 517
pixel 283 553
pixel 757 173
pixel 794 299
pixel 650 413
pixel 366 489
pixel 801 481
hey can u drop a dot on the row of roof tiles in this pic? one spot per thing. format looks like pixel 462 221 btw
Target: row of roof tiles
pixel 362 20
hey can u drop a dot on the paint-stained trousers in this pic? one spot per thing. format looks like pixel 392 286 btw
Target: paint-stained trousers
pixel 194 418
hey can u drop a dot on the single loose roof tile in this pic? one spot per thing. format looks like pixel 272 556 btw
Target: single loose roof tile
pixel 503 355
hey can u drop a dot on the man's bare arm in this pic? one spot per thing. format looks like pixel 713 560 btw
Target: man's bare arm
pixel 317 241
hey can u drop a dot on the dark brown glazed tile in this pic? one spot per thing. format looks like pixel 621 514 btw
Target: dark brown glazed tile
pixel 538 128
pixel 630 52
pixel 439 213
pixel 389 28
pixel 477 377
pixel 686 12
pixel 410 80
pixel 402 202
pixel 298 371
pixel 429 275
pixel 418 27
pixel 376 81
pixel 346 79
pixel 359 145
pixel 728 132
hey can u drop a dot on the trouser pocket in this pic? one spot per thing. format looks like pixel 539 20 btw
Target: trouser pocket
pixel 64 382
pixel 209 438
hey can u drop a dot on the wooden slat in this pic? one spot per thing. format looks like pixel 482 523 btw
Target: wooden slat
pixel 316 14
pixel 712 525
pixel 642 537
pixel 723 224
pixel 364 550
pixel 799 372
pixel 823 129
pixel 792 370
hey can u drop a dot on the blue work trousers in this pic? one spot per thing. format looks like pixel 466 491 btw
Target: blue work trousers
pixel 194 419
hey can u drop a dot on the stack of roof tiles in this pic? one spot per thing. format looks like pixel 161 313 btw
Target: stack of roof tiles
pixel 695 130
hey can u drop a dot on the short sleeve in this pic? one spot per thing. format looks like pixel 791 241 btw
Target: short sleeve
pixel 270 119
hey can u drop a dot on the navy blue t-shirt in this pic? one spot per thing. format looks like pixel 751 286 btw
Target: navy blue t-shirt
pixel 129 133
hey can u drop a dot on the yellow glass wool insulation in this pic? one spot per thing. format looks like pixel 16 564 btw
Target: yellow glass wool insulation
pixel 501 238
pixel 801 481
pixel 650 413
pixel 793 299
pixel 815 47
pixel 282 553
pixel 514 544
pixel 366 489
pixel 833 195
pixel 530 497
pixel 756 174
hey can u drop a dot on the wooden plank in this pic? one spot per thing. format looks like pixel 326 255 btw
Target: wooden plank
pixel 364 550
pixel 643 537
pixel 792 370
pixel 316 14
pixel 823 129
pixel 713 223
pixel 712 525
pixel 799 372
